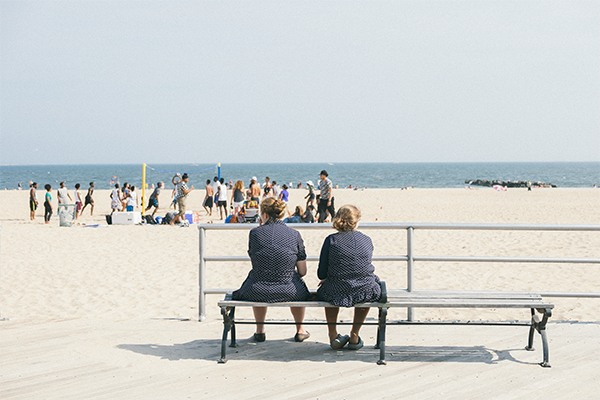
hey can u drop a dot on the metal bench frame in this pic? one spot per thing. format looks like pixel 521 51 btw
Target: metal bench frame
pixel 404 298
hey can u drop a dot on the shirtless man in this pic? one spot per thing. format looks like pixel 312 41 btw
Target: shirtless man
pixel 33 203
pixel 208 198
pixel 254 190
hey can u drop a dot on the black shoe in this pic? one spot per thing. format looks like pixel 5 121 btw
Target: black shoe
pixel 260 337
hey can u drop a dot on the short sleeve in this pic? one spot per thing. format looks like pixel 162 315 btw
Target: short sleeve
pixel 301 256
pixel 324 259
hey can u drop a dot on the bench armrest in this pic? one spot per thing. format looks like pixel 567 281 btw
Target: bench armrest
pixel 383 298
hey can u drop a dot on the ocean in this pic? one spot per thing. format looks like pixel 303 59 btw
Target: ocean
pixel 372 175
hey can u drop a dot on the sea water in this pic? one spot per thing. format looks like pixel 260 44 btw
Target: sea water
pixel 371 175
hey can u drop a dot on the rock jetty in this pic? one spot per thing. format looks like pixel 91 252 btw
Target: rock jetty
pixel 510 184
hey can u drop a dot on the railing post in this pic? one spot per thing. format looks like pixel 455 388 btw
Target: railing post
pixel 201 275
pixel 409 268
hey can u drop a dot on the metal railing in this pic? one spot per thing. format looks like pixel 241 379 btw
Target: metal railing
pixel 409 258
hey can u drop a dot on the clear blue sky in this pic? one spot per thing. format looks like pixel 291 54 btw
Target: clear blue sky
pixel 299 81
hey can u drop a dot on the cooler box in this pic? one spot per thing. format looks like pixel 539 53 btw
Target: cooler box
pixel 127 218
pixel 192 217
pixel 66 214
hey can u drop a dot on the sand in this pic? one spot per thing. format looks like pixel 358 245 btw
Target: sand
pixel 116 272
pixel 110 312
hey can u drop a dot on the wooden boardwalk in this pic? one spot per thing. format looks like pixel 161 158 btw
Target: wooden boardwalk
pixel 172 359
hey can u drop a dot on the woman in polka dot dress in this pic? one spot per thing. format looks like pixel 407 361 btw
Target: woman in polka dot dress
pixel 347 275
pixel 278 265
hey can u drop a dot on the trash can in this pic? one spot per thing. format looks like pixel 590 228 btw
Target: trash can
pixel 66 214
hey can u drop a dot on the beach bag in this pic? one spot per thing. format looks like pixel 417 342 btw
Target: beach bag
pixel 150 219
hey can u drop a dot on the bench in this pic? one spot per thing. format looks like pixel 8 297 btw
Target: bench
pixel 404 298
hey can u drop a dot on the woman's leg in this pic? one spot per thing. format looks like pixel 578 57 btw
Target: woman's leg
pixel 331 314
pixel 260 314
pixel 298 313
pixel 360 314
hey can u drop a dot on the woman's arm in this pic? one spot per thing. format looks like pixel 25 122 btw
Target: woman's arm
pixel 324 259
pixel 301 266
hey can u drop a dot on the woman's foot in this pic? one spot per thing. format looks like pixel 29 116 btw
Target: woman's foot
pixel 339 342
pixel 356 346
pixel 301 337
pixel 260 337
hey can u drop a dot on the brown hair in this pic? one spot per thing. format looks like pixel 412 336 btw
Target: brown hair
pixel 238 185
pixel 298 211
pixel 346 219
pixel 274 208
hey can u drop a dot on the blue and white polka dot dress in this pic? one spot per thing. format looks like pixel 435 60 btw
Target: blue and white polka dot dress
pixel 274 249
pixel 345 264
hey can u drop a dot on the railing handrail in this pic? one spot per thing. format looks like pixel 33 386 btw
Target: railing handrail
pixel 410 257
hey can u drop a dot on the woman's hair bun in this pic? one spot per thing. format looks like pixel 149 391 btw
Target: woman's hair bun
pixel 346 219
pixel 273 208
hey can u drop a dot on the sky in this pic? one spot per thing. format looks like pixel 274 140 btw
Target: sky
pixel 123 82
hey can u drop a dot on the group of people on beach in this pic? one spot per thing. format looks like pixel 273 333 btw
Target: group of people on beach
pixel 63 196
pixel 216 195
pixel 278 260
pixel 125 198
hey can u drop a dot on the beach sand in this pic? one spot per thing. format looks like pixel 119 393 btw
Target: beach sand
pixel 123 278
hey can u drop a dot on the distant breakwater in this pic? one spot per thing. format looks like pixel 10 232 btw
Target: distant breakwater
pixel 510 184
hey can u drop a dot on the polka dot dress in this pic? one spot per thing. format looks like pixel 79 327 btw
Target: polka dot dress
pixel 274 249
pixel 345 264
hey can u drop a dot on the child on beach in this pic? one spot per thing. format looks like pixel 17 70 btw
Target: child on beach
pixel 47 204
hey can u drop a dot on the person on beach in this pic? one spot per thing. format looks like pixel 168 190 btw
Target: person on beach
pixel 347 276
pixel 275 189
pixel 182 193
pixel 308 217
pixel 222 196
pixel 284 196
pixel 215 185
pixel 63 194
pixel 33 203
pixel 125 192
pixel 325 205
pixel 89 200
pixel 278 265
pixel 48 203
pixel 174 181
pixel 300 216
pixel 254 190
pixel 208 201
pixel 132 199
pixel 78 202
pixel 267 183
pixel 115 199
pixel 310 197
pixel 153 200
pixel 237 202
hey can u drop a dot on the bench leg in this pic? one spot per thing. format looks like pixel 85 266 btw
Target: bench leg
pixel 233 336
pixel 227 326
pixel 381 335
pixel 539 325
pixel 378 329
